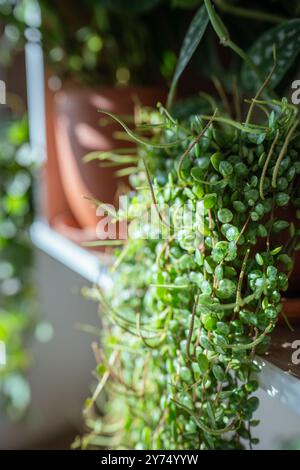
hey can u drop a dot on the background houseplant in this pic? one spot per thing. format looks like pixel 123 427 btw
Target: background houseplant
pixel 187 315
pixel 90 41
pixel 85 45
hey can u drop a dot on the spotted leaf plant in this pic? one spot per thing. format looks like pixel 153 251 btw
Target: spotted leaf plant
pixel 194 300
pixel 192 306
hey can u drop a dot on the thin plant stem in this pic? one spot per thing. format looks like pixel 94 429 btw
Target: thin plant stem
pixel 283 152
pixel 236 99
pixel 223 34
pixel 188 344
pixel 241 278
pixel 251 14
pixel 194 142
pixel 220 89
pixel 263 175
pixel 263 86
pixel 153 196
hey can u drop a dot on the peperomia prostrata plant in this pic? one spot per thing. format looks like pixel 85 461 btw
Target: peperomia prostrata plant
pixel 191 307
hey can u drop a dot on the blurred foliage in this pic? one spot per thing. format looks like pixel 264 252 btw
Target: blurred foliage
pixel 16 291
pixel 116 41
pixel 92 41
pixel 292 444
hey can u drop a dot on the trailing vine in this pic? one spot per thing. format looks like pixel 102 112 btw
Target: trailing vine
pixel 190 310
pixel 198 288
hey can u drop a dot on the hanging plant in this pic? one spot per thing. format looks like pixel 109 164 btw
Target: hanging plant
pixel 195 299
pixel 188 313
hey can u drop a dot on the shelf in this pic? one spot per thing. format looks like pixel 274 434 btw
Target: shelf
pixel 280 378
pixel 90 265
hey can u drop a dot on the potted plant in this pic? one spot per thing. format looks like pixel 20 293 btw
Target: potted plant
pixel 194 299
pixel 91 48
pixel 73 111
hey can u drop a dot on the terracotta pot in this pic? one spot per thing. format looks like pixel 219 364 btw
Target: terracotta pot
pixel 291 308
pixel 289 213
pixel 77 132
pixel 66 225
pixel 53 197
pixel 291 300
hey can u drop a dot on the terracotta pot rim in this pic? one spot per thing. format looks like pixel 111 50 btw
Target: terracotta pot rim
pixel 73 88
pixel 65 224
